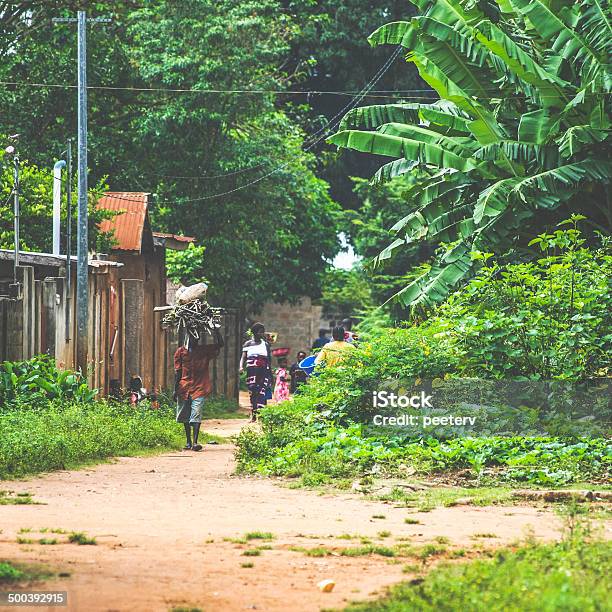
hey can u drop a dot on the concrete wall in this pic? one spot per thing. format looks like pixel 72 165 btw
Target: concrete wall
pixel 297 324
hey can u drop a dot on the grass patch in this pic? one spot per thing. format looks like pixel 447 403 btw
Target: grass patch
pixel 221 408
pixel 319 551
pixel 21 540
pixel 383 534
pixel 82 539
pixel 435 497
pixel 561 576
pixel 362 551
pixel 252 552
pixel 13 573
pixel 379 516
pixel 10 498
pixel 235 540
pixel 52 530
pixel 77 434
pixel 347 536
pixel 259 535
pixel 247 564
pixel 430 550
pixel 412 521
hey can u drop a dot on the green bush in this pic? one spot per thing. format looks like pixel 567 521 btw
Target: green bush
pixel 543 319
pixel 561 576
pixel 27 383
pixel 60 435
pixel 319 450
pixel 516 347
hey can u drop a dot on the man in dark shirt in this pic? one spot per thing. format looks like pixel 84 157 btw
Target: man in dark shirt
pixel 192 384
pixel 321 341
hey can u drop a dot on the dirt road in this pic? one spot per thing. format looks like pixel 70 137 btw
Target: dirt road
pixel 160 524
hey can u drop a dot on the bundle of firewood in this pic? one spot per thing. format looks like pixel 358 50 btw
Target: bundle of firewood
pixel 192 313
pixel 195 318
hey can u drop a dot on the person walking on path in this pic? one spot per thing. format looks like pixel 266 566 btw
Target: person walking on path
pixel 192 384
pixel 336 350
pixel 321 341
pixel 281 385
pixel 257 359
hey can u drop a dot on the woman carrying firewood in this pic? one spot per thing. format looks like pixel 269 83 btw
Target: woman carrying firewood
pixel 257 358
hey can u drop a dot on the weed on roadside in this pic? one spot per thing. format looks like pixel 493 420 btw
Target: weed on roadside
pixel 10 498
pixel 82 539
pixel 12 573
pixel 311 552
pixel 259 535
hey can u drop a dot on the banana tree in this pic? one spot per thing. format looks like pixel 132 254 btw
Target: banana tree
pixel 520 130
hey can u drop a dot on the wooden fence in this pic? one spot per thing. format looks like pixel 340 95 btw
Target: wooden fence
pixel 125 337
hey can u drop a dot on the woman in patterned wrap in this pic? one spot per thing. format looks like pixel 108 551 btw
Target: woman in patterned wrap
pixel 257 358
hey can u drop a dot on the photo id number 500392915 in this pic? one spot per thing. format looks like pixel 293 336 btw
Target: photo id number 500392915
pixel 33 598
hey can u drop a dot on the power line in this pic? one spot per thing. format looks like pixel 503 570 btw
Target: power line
pixel 212 91
pixel 381 93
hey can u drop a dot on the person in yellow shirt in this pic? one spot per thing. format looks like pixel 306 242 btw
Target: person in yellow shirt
pixel 336 350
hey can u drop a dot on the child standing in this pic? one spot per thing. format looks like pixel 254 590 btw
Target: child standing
pixel 281 388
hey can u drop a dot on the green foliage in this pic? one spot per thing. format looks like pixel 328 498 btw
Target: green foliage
pixel 528 322
pixel 560 576
pixel 36 209
pixel 315 445
pixel 82 539
pixel 380 206
pixel 518 137
pixel 77 433
pixel 9 573
pixel 547 318
pixel 346 293
pixel 39 379
pixel 186 267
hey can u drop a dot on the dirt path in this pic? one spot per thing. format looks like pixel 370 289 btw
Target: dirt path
pixel 160 524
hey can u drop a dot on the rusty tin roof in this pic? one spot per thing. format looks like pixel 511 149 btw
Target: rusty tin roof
pixel 129 224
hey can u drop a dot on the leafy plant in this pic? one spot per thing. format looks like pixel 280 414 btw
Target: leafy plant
pixel 520 132
pixel 39 379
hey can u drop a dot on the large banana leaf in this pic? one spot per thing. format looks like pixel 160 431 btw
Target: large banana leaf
pixel 566 42
pixel 392 170
pixel 408 148
pixel 550 186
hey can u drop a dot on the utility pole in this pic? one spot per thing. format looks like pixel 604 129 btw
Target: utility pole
pixel 82 292
pixel 68 235
pixel 82 288
pixel 16 215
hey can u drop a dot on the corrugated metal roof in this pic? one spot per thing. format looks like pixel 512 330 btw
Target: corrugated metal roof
pixel 176 237
pixel 129 224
